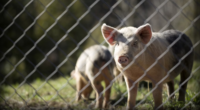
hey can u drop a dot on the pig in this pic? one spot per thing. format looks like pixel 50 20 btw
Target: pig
pixel 89 63
pixel 141 54
pixel 81 83
pixel 115 71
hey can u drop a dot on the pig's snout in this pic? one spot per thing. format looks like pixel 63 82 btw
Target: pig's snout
pixel 123 60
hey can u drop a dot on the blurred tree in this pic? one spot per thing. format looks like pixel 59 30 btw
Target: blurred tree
pixel 46 32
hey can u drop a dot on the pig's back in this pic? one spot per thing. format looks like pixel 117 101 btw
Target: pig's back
pixel 93 54
pixel 182 46
pixel 98 53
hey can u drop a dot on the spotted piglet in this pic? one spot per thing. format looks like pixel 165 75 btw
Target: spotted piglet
pixel 93 67
pixel 159 57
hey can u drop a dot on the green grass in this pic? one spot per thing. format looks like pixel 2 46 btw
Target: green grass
pixel 60 93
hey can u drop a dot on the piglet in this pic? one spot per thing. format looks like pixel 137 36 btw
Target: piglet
pixel 94 60
pixel 159 57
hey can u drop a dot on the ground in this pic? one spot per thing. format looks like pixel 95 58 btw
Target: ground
pixel 60 93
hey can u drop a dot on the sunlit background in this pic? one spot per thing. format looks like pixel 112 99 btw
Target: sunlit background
pixel 40 41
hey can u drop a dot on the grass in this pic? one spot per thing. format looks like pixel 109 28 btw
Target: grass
pixel 60 93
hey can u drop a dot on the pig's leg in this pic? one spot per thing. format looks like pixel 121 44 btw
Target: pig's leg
pixel 132 93
pixel 184 75
pixel 98 89
pixel 107 75
pixel 107 94
pixel 86 93
pixel 157 95
pixel 96 84
pixel 79 86
pixel 170 85
pixel 89 91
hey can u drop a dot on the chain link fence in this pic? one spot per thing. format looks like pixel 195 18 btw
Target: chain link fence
pixel 41 41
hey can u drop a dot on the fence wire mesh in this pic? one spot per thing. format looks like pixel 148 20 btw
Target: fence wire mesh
pixel 41 41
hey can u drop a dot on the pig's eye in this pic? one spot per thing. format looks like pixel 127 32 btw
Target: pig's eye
pixel 135 43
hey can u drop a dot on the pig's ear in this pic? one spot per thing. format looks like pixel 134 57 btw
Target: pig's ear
pixel 109 33
pixel 145 33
